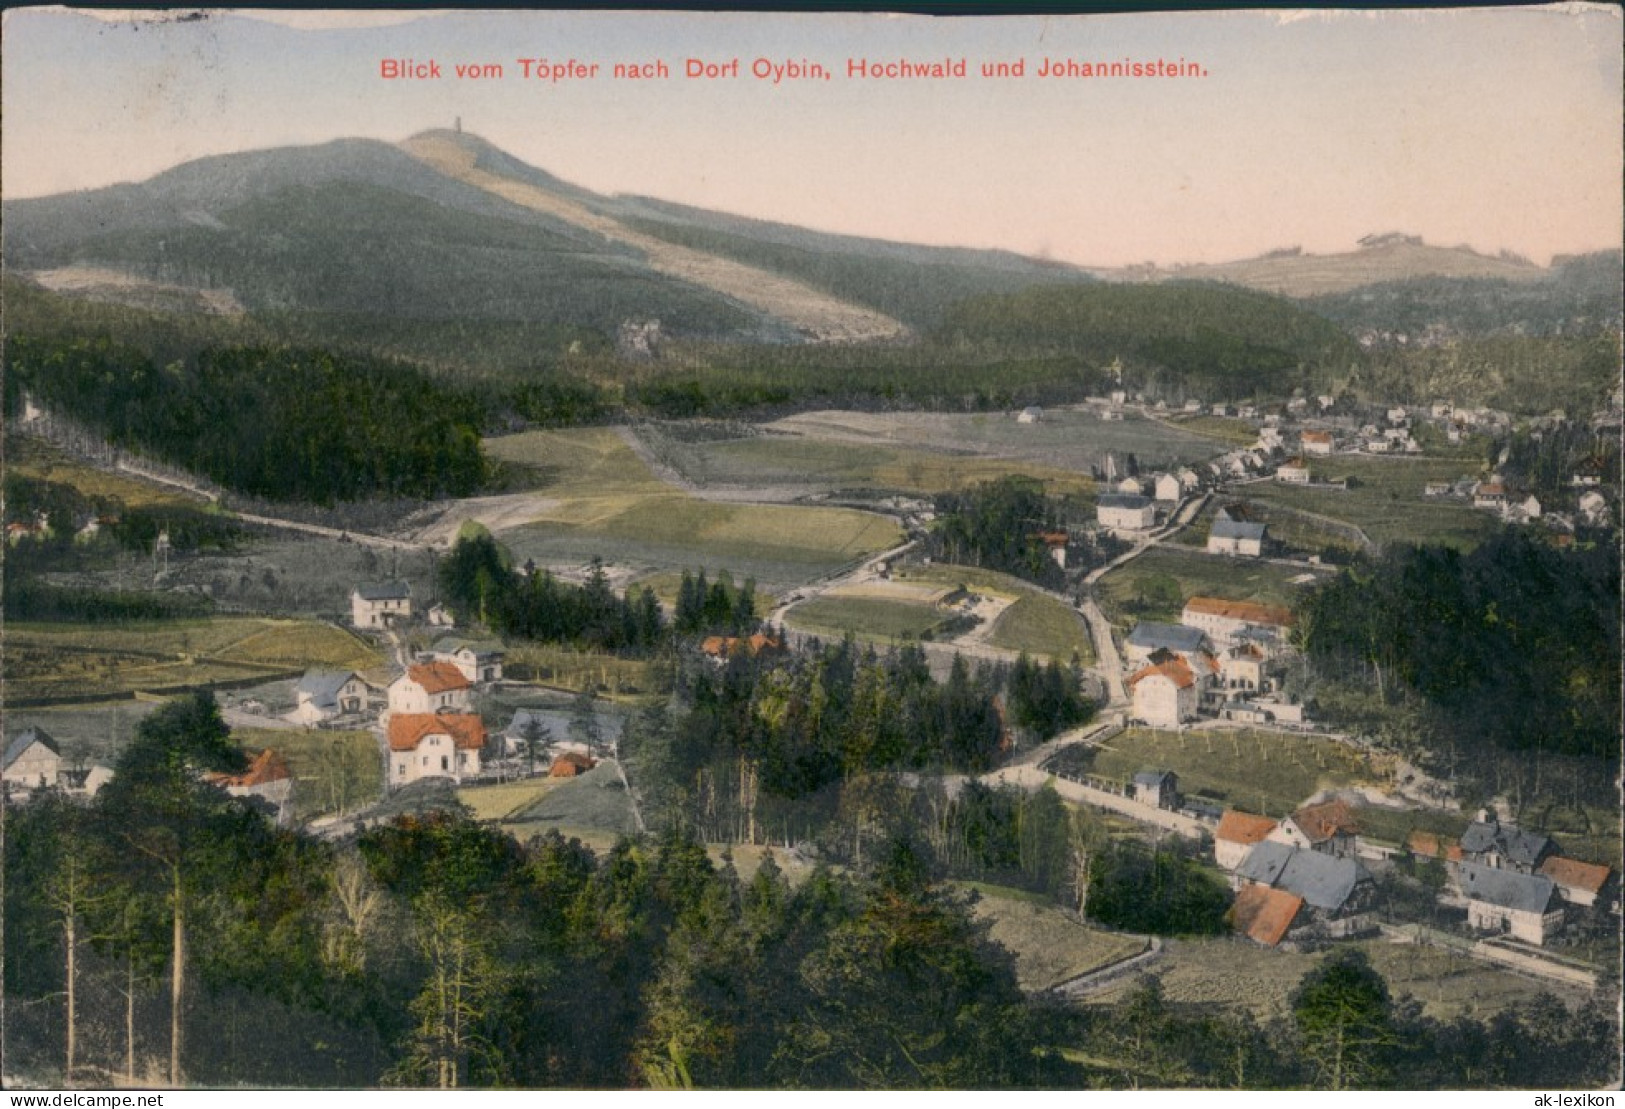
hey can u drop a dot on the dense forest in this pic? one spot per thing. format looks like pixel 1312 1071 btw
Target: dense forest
pixel 1517 641
pixel 167 933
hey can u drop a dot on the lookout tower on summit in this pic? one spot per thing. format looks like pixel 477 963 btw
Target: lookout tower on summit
pixel 457 125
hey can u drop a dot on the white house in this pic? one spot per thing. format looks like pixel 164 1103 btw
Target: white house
pixel 1149 637
pixel 1294 471
pixel 479 660
pixel 1238 833
pixel 1125 512
pixel 1166 694
pixel 1577 883
pixel 1030 415
pixel 1491 495
pixel 429 687
pixel 1328 827
pixel 32 760
pixel 324 694
pixel 1594 507
pixel 1230 622
pixel 1235 537
pixel 1168 487
pixel 1157 788
pixel 374 605
pixel 1523 906
pixel 429 745
pixel 267 778
pixel 1244 668
pixel 1132 486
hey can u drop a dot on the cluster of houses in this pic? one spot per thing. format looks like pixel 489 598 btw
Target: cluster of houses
pixel 1222 660
pixel 1305 877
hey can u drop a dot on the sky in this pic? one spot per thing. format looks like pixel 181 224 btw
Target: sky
pixel 1493 128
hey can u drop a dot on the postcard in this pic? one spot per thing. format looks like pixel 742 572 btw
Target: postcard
pixel 606 550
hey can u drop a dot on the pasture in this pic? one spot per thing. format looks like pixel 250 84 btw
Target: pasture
pixel 595 801
pixel 1227 430
pixel 882 621
pixel 499 801
pixel 1043 627
pixel 1234 972
pixel 1137 590
pixel 27 456
pixel 1049 946
pixel 1259 771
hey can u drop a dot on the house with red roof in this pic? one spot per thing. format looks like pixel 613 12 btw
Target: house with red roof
pixel 1577 883
pixel 267 777
pixel 1166 693
pixel 1265 915
pixel 1329 827
pixel 430 687
pixel 1238 833
pixel 434 745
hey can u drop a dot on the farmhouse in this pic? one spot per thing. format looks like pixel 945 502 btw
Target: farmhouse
pixel 434 745
pixel 1294 471
pixel 1577 883
pixel 1148 638
pixel 1168 487
pixel 324 694
pixel 267 778
pixel 1166 694
pixel 1265 915
pixel 374 605
pixel 1328 827
pixel 1489 843
pixel 479 660
pixel 429 687
pixel 1126 512
pixel 1238 833
pixel 1427 845
pixel 1317 442
pixel 1491 495
pixel 32 760
pixel 1230 622
pixel 1523 906
pixel 1338 892
pixel 1235 537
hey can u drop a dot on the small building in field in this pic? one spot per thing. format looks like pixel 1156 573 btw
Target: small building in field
pixel 1523 906
pixel 1235 537
pixel 33 760
pixel 1030 415
pixel 323 694
pixel 478 660
pixel 1125 512
pixel 1238 833
pixel 429 687
pixel 1157 788
pixel 1491 495
pixel 1577 883
pixel 434 745
pixel 1329 827
pixel 1294 471
pixel 1317 442
pixel 378 604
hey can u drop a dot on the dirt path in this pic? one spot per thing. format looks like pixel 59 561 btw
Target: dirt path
pixel 496 513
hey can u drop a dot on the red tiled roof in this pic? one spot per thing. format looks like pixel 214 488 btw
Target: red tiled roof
pixel 1052 538
pixel 1316 437
pixel 267 767
pixel 1175 670
pixel 1264 914
pixel 1434 846
pixel 569 764
pixel 437 677
pixel 1249 611
pixel 721 646
pixel 407 729
pixel 1323 821
pixel 1575 874
pixel 1236 826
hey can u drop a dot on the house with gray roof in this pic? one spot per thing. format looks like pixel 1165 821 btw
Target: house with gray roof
pixel 1338 892
pixel 374 604
pixel 1490 843
pixel 1235 537
pixel 1149 637
pixel 480 660
pixel 1157 788
pixel 1523 906
pixel 323 694
pixel 32 760
pixel 1125 511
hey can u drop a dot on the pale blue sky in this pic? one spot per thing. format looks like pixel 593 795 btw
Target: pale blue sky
pixel 1494 128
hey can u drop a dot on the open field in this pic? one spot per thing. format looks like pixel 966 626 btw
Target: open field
pixel 867 618
pixel 576 462
pixel 1228 971
pixel 596 800
pixel 1197 575
pixel 1264 772
pixel 826 464
pixel 1049 946
pixel 567 667
pixel 1073 439
pixel 497 802
pixel 1226 429
pixel 1387 501
pixel 27 456
pixel 48 660
pixel 333 771
pixel 1042 626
